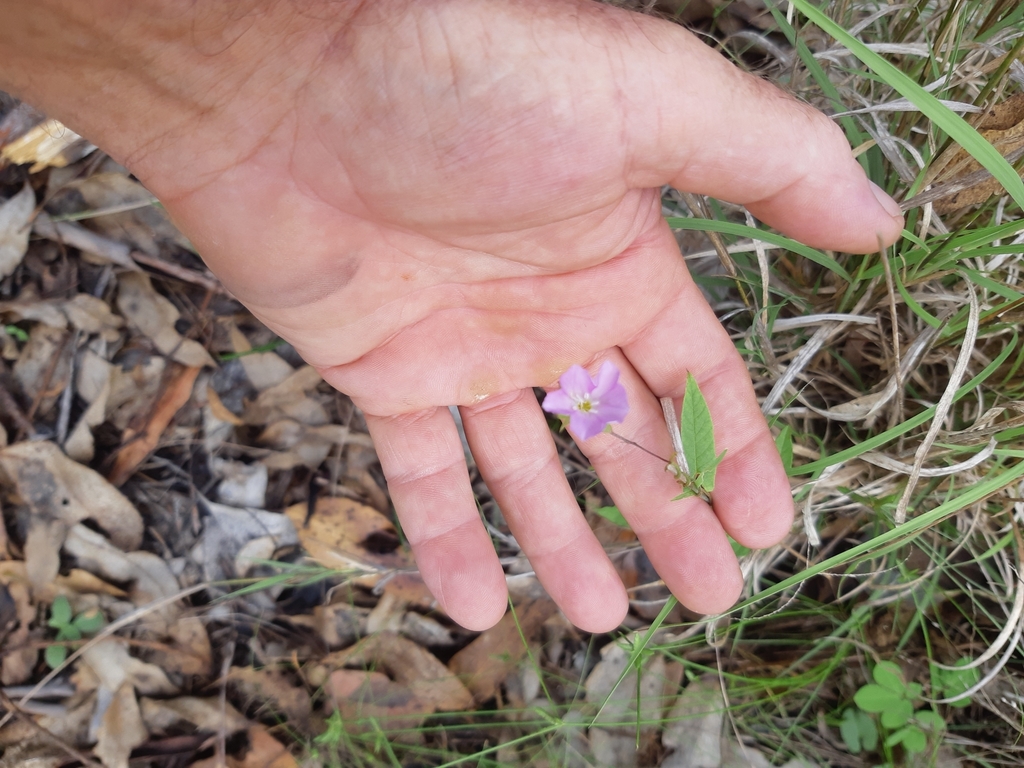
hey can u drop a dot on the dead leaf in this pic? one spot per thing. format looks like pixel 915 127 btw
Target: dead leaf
pixel 488 660
pixel 302 445
pixel 163 715
pixel 93 386
pixel 121 730
pixel 241 485
pixel 227 530
pixel 278 697
pixel 154 316
pixel 61 493
pixel 19 658
pixel 189 651
pixel 694 728
pixel 15 214
pixel 148 574
pixel 370 700
pixel 263 369
pixel 138 446
pixel 113 666
pixel 133 391
pixel 264 751
pixel 50 143
pixel 43 368
pixel 288 400
pixel 407 664
pixel 145 226
pixel 1003 127
pixel 343 533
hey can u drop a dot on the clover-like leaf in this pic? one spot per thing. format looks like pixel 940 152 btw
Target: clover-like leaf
pixel 912 738
pixel 89 622
pixel 930 719
pixel 55 655
pixel 69 632
pixel 875 698
pixel 60 612
pixel 890 676
pixel 898 714
pixel 859 731
pixel 953 682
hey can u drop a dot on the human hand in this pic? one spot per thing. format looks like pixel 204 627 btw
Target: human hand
pixel 451 203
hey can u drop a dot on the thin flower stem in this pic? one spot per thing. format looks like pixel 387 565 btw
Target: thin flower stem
pixel 613 433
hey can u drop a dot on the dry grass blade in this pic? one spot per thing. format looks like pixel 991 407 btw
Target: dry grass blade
pixel 894 465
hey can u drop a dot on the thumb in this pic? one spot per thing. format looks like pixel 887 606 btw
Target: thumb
pixel 704 126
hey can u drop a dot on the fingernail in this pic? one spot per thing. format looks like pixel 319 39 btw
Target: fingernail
pixel 891 206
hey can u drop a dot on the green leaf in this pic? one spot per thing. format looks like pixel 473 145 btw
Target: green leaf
pixel 875 698
pixel 954 125
pixel 60 612
pixel 913 739
pixel 868 731
pixel 849 729
pixel 55 655
pixel 784 445
pixel 889 676
pixel 914 690
pixel 16 332
pixel 91 622
pixel 898 714
pixel 698 434
pixel 953 682
pixel 69 632
pixel 741 230
pixel 612 515
pixel 931 719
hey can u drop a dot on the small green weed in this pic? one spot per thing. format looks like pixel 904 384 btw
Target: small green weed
pixel 893 699
pixel 69 628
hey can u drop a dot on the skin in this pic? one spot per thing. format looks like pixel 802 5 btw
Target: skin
pixel 449 203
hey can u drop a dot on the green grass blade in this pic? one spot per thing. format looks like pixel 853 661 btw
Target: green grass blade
pixel 742 230
pixel 955 126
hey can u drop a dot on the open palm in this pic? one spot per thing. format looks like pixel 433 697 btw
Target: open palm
pixel 450 203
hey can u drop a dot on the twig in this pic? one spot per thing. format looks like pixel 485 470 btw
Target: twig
pixel 181 273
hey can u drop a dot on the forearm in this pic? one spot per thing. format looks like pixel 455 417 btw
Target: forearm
pixel 127 73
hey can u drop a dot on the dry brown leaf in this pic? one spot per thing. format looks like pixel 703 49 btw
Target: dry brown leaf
pixel 61 493
pixel 50 143
pixel 18 658
pixel 302 445
pixel 85 583
pixel 407 664
pixel 145 226
pixel 113 667
pixel 43 367
pixel 133 392
pixel 343 533
pixel 148 574
pixel 162 715
pixel 15 214
pixel 264 751
pixel 84 312
pixel 277 695
pixel 121 729
pixel 288 400
pixel 93 386
pixel 138 446
pixel 367 700
pixel 219 410
pixel 263 369
pixel 487 661
pixel 154 316
pixel 189 651
pixel 226 531
pixel 1003 127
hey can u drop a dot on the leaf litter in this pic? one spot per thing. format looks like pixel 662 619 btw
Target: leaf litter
pixel 225 513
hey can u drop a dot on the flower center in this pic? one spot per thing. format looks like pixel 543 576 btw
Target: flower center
pixel 585 405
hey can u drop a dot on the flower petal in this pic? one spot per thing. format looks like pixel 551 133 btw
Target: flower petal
pixel 607 379
pixel 586 425
pixel 557 401
pixel 576 382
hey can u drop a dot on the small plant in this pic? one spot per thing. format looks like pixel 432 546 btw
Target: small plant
pixel 695 462
pixel 949 683
pixel 69 628
pixel 893 699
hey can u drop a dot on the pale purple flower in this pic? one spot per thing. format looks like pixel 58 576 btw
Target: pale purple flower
pixel 590 405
